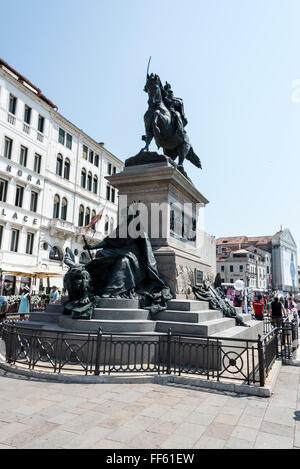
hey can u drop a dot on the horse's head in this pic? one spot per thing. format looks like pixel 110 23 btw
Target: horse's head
pixel 153 87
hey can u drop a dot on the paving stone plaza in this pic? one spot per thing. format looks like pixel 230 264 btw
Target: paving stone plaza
pixel 46 415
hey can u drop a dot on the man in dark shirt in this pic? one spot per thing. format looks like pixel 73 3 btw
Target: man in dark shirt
pixel 276 309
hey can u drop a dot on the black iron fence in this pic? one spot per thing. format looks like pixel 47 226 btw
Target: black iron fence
pixel 217 358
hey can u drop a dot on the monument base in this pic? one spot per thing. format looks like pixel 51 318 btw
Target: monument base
pixel 155 181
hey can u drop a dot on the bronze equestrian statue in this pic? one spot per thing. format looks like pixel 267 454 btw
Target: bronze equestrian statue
pixel 165 122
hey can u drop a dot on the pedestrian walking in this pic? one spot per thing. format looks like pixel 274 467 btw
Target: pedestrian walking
pixel 25 303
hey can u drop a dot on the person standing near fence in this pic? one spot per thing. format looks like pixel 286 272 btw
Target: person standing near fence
pixel 258 306
pixel 54 295
pixel 3 308
pixel 277 311
pixel 25 303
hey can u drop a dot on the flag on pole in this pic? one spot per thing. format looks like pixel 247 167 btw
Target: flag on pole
pixel 94 220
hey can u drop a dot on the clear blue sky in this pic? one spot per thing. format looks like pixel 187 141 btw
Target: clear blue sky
pixel 231 61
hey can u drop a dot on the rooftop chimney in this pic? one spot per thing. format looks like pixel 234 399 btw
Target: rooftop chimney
pixel 102 144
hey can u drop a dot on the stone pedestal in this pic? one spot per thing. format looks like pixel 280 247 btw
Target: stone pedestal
pixel 160 186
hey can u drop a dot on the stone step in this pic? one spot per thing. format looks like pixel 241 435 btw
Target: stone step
pixel 121 314
pixel 202 329
pixel 56 308
pixel 107 326
pixel 188 305
pixel 188 316
pixel 241 332
pixel 44 317
pixel 114 303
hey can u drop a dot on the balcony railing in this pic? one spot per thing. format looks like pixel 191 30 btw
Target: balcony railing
pixel 26 128
pixel 11 119
pixel 40 137
pixel 62 225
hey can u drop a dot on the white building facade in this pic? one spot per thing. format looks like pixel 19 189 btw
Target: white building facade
pixel 52 183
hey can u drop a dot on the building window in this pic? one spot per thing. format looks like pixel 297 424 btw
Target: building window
pixel 55 254
pixel 8 147
pixel 56 206
pixel 107 192
pixel 241 268
pixel 59 164
pixel 91 156
pixel 81 215
pixel 96 162
pixel 12 104
pixel 61 136
pixel 268 268
pixel 87 216
pixel 95 187
pixel 222 268
pixel 29 243
pixel 83 178
pixel 27 114
pixel 114 170
pixel 67 169
pixel 89 182
pixel 113 194
pixel 231 280
pixel 83 258
pixel 106 225
pixel 14 240
pixel 37 163
pixel 41 124
pixel 231 268
pixel 84 152
pixel 93 216
pixel 109 168
pixel 19 196
pixel 23 156
pixel 64 207
pixel 33 201
pixel 69 141
pixel 1 235
pixel 3 190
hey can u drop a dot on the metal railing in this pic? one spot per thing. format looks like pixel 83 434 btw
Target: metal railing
pixel 217 358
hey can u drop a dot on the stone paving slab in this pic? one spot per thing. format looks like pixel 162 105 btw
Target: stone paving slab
pixel 41 414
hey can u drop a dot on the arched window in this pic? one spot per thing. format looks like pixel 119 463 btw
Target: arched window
pixel 111 227
pixel 106 225
pixel 95 188
pixel 87 216
pixel 64 207
pixel 83 258
pixel 83 178
pixel 89 182
pixel 56 205
pixel 55 254
pixel 67 169
pixel 93 216
pixel 81 215
pixel 59 164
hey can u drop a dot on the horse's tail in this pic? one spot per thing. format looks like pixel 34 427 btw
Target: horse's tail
pixel 193 158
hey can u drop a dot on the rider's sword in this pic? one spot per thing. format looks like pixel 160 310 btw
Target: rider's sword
pixel 148 67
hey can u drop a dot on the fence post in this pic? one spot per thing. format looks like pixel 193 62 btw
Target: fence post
pixel 261 361
pixel 277 342
pixel 169 352
pixel 97 364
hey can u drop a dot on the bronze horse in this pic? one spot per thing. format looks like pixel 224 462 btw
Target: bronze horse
pixel 166 125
